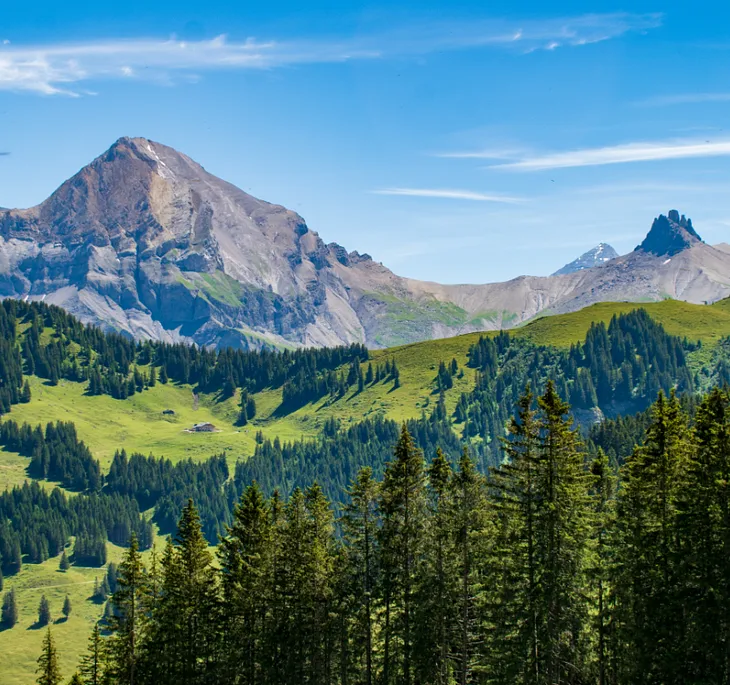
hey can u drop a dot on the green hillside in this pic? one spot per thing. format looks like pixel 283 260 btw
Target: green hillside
pixel 138 424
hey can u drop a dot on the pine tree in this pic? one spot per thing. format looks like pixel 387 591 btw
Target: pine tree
pixel 601 572
pixel 163 374
pixel 510 608
pixel 434 618
pixel 649 602
pixel 9 612
pixel 127 616
pixel 188 606
pixel 703 528
pixel 49 671
pixel 25 393
pixel 92 664
pixel 152 382
pixel 76 680
pixel 402 505
pixel 44 612
pixel 360 528
pixel 564 531
pixel 246 555
pixel 64 564
pixel 468 522
pixel 66 610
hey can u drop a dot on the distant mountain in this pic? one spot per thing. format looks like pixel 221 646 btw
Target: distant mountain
pixel 600 254
pixel 144 241
pixel 670 235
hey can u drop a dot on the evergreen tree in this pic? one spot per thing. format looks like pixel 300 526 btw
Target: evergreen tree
pixel 127 617
pixel 92 664
pixel 703 528
pixel 64 564
pixel 188 606
pixel 360 528
pixel 49 671
pixel 76 680
pixel 402 506
pixel 66 610
pixel 44 612
pixel 9 612
pixel 25 393
pixel 246 555
pixel 650 614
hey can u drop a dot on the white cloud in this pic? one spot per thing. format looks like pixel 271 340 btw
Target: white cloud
pixel 449 194
pixel 51 69
pixel 621 154
pixel 684 99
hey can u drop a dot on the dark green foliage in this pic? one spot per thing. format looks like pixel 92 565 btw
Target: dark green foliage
pixel 49 671
pixel 9 615
pixel 66 610
pixel 55 454
pixel 93 663
pixel 334 459
pixel 64 564
pixel 38 523
pixel 168 486
pixel 622 365
pixel 44 612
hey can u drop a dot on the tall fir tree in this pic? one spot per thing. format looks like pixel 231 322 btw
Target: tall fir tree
pixel 360 528
pixel 93 664
pixel 128 619
pixel 402 506
pixel 49 670
pixel 649 602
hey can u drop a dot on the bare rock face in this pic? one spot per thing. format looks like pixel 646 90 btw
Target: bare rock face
pixel 669 235
pixel 144 241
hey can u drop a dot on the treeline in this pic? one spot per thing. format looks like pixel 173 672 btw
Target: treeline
pixel 159 483
pixel 556 569
pixel 335 456
pixel 55 345
pixel 620 367
pixel 38 524
pixel 55 454
pixel 308 387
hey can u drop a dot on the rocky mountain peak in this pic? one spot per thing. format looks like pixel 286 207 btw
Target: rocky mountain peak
pixel 600 254
pixel 669 235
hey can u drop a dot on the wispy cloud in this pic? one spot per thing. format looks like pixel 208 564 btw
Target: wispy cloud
pixel 683 99
pixel 54 68
pixel 449 194
pixel 621 154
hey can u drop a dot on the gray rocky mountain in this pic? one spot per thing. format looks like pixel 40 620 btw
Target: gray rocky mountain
pixel 144 241
pixel 600 254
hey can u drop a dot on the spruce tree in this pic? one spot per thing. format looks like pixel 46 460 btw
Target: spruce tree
pixel 360 528
pixel 436 592
pixel 402 506
pixel 188 606
pixel 44 612
pixel 127 616
pixel 703 528
pixel 9 612
pixel 66 610
pixel 649 603
pixel 64 564
pixel 246 555
pixel 92 666
pixel 564 531
pixel 49 671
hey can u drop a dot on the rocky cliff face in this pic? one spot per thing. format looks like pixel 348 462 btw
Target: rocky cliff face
pixel 144 241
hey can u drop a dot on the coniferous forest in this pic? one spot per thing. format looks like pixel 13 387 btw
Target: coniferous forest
pixel 553 568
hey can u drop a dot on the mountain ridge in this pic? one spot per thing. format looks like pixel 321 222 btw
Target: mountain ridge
pixel 145 241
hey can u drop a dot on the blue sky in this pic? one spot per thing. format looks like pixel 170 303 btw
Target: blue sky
pixel 452 142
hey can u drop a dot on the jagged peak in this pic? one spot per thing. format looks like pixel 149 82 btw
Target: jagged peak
pixel 669 235
pixel 596 256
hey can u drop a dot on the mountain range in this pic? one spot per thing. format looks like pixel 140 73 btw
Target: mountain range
pixel 144 241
